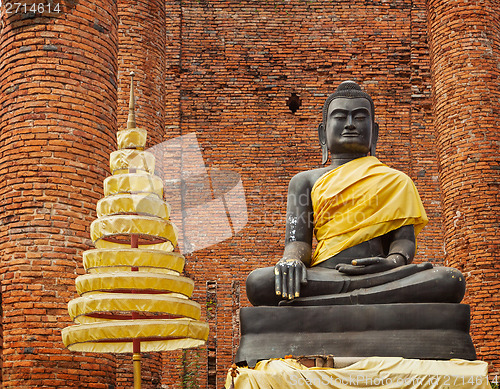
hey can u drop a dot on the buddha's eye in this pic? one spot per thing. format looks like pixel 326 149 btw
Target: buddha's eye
pixel 360 117
pixel 339 116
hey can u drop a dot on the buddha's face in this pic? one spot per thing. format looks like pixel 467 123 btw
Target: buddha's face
pixel 349 126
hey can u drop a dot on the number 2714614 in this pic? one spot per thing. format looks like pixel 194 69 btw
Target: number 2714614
pixel 36 8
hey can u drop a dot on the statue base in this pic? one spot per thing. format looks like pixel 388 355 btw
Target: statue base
pixel 414 331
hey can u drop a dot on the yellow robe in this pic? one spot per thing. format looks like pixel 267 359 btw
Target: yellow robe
pixel 361 200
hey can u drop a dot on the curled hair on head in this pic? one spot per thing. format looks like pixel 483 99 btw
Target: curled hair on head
pixel 350 90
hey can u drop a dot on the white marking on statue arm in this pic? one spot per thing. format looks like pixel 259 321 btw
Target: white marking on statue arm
pixel 299 220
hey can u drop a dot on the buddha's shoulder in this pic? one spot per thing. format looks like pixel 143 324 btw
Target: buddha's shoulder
pixel 395 172
pixel 306 179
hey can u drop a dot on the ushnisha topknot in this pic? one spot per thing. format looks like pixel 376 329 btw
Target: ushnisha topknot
pixel 350 90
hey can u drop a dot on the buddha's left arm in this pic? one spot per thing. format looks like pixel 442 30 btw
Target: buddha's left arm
pixel 401 243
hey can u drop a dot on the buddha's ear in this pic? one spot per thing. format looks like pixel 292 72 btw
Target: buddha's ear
pixel 374 139
pixel 322 142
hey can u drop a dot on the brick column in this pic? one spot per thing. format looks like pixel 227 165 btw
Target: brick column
pixel 141 49
pixel 57 127
pixel 465 53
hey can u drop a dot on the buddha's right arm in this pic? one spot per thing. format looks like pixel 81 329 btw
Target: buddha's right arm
pixel 298 250
pixel 290 271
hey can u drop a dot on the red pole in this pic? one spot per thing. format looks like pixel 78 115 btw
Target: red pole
pixel 136 343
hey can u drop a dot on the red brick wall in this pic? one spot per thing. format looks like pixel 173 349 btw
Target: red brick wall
pixel 58 118
pixel 175 361
pixel 225 73
pixel 141 40
pixel 465 47
pixel 235 66
pixel 423 152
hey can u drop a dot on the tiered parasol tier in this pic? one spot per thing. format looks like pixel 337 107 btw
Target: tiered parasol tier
pixel 133 297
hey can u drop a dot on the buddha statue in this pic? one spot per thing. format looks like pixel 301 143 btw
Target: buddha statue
pixel 365 217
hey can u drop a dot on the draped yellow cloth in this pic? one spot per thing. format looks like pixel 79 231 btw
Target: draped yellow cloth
pixel 121 161
pixel 107 227
pixel 373 372
pixel 133 183
pixel 139 203
pixel 83 309
pixel 133 295
pixel 119 259
pixel 134 281
pixel 132 138
pixel 359 201
pixel 116 336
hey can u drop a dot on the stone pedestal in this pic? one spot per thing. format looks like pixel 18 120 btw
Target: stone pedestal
pixel 419 331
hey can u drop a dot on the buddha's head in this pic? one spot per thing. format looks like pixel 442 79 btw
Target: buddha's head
pixel 348 125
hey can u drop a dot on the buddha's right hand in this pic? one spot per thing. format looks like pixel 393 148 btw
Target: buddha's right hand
pixel 289 274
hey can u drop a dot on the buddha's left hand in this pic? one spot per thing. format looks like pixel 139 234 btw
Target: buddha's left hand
pixel 371 265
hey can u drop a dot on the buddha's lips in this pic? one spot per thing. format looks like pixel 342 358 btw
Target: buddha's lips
pixel 350 134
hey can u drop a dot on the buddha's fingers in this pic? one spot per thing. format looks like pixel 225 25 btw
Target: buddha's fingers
pixel 284 282
pixel 303 275
pixel 277 280
pixel 366 261
pixel 360 270
pixel 299 275
pixel 291 281
pixel 351 270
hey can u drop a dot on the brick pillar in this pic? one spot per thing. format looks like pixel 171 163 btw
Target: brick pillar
pixel 465 53
pixel 173 376
pixel 423 152
pixel 141 49
pixel 57 127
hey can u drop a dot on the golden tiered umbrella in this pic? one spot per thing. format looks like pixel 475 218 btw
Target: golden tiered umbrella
pixel 133 297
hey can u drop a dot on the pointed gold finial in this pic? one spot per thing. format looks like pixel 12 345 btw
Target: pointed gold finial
pixel 131 106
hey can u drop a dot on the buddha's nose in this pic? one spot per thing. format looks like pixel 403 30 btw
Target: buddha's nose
pixel 349 123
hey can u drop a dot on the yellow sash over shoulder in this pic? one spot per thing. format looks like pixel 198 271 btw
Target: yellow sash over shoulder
pixel 361 200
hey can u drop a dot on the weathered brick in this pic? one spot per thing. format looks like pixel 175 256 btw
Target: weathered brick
pixel 224 70
pixel 49 90
pixel 463 38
